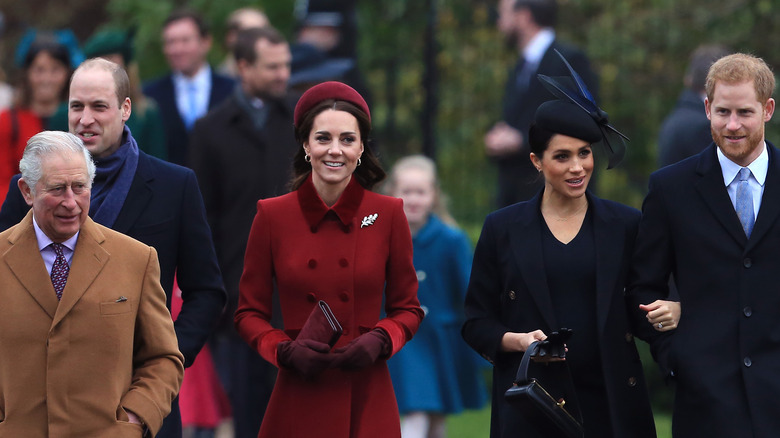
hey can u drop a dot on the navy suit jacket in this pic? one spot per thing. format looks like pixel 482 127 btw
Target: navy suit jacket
pixel 163 91
pixel 725 352
pixel 508 292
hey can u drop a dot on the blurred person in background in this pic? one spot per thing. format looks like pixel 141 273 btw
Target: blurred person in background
pixel 240 19
pixel 6 90
pixel 42 86
pixel 242 151
pixel 436 374
pixel 192 88
pixel 528 26
pixel 328 31
pixel 145 121
pixel 686 130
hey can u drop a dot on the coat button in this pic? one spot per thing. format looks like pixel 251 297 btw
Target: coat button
pixel 313 228
pixel 747 362
pixel 629 337
pixel 512 295
pixel 747 311
pixel 747 262
pixel 344 297
pixel 343 263
pixel 632 381
pixel 312 263
pixel 311 297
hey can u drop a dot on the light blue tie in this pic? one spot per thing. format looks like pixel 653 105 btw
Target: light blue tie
pixel 745 201
pixel 192 114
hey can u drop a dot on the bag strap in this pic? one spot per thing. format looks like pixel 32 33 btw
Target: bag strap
pixel 522 371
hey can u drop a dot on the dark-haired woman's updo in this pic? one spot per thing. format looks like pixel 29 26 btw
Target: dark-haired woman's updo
pixel 560 117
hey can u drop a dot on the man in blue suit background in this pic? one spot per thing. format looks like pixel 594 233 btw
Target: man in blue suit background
pixel 151 200
pixel 711 220
pixel 192 88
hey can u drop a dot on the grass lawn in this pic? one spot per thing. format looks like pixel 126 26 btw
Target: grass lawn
pixel 476 424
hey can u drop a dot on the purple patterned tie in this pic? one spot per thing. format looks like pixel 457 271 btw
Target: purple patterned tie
pixel 59 270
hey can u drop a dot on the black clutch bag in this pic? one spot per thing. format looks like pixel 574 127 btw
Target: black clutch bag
pixel 321 326
pixel 547 413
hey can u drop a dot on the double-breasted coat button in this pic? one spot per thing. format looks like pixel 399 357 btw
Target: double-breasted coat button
pixel 512 295
pixel 747 362
pixel 343 263
pixel 344 297
pixel 747 311
pixel 632 381
pixel 312 263
pixel 629 337
pixel 747 262
pixel 311 297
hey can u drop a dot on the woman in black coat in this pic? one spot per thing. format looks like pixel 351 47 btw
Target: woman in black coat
pixel 561 260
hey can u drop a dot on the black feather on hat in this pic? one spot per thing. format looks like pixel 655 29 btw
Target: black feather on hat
pixel 573 90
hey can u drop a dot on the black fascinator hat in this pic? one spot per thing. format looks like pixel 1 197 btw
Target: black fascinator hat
pixel 576 102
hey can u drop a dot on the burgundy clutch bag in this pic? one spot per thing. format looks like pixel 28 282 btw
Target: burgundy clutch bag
pixel 321 326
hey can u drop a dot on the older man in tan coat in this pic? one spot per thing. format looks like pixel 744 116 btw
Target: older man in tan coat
pixel 87 346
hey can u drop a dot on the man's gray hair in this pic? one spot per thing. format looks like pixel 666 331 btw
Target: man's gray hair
pixel 46 143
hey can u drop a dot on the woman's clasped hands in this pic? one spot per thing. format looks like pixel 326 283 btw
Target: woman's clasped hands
pixel 310 358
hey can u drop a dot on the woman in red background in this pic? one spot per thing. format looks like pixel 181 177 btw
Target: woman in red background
pixel 331 239
pixel 46 69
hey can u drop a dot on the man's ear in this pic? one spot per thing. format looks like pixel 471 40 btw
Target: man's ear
pixel 26 191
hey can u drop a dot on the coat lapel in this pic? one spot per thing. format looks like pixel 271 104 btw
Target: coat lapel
pixel 89 258
pixel 713 191
pixel 138 197
pixel 609 237
pixel 769 211
pixel 25 261
pixel 526 243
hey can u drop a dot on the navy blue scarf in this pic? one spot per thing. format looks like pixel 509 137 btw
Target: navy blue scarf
pixel 113 176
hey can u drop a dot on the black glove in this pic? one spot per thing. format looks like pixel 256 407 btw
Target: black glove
pixel 363 350
pixel 555 344
pixel 307 357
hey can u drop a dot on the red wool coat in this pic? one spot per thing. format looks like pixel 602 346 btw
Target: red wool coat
pixel 341 256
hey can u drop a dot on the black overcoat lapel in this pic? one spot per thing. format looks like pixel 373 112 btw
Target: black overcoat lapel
pixel 526 244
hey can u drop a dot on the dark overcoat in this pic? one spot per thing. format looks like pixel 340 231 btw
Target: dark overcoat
pixel 237 164
pixel 725 354
pixel 508 292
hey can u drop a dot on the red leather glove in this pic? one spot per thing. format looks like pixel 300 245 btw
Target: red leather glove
pixel 363 350
pixel 305 356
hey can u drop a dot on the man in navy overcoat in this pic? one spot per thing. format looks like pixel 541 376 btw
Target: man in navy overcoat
pixel 712 221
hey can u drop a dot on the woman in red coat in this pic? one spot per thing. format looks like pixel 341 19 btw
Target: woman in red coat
pixel 331 239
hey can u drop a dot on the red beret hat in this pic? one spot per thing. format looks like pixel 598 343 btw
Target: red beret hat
pixel 328 90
